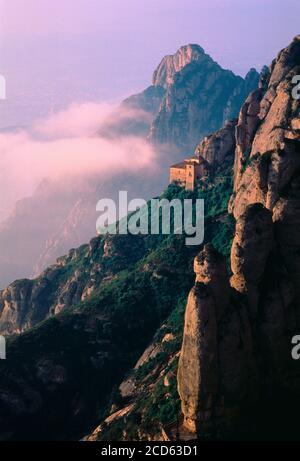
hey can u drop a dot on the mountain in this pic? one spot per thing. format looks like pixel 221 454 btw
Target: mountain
pixel 120 336
pixel 200 97
pixel 236 374
pixel 97 307
pixel 232 362
pixel 190 97
pixel 164 75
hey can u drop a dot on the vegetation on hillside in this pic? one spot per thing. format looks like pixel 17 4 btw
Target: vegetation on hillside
pixel 71 363
pixel 155 401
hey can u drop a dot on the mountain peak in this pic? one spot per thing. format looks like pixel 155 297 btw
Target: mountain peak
pixel 190 47
pixel 171 64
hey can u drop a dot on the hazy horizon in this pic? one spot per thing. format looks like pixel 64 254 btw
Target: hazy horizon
pixel 54 53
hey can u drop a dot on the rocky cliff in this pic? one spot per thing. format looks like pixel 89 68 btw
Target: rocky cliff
pixel 237 341
pixel 218 149
pixel 200 96
pixel 73 278
pixel 165 73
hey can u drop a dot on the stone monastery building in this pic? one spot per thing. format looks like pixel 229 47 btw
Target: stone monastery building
pixel 189 171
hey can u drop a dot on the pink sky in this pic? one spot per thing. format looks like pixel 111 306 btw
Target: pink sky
pixel 56 52
pixel 234 28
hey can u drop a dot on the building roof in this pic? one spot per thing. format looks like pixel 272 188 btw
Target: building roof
pixel 178 165
pixel 194 159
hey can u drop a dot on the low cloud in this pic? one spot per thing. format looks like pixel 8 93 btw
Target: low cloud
pixel 87 119
pixel 65 147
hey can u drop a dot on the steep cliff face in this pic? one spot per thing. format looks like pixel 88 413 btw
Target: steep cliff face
pixel 165 73
pixel 198 364
pixel 74 278
pixel 216 366
pixel 240 360
pixel 200 97
pixel 139 110
pixel 267 155
pixel 218 149
pixel 267 170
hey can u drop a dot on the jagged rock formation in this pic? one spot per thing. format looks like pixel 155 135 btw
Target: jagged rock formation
pixel 59 376
pixel 267 137
pixel 190 97
pixel 200 97
pixel 73 278
pixel 267 171
pixel 236 367
pixel 213 368
pixel 218 148
pixel 198 365
pixel 165 73
pixel 142 109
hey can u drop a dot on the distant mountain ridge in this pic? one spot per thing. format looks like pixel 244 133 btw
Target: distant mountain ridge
pixel 190 97
pixel 200 97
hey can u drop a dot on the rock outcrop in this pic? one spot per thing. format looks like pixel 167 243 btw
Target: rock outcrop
pixel 218 148
pixel 216 368
pixel 198 365
pixel 73 279
pixel 267 156
pixel 267 165
pixel 165 73
pixel 239 362
pixel 250 250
